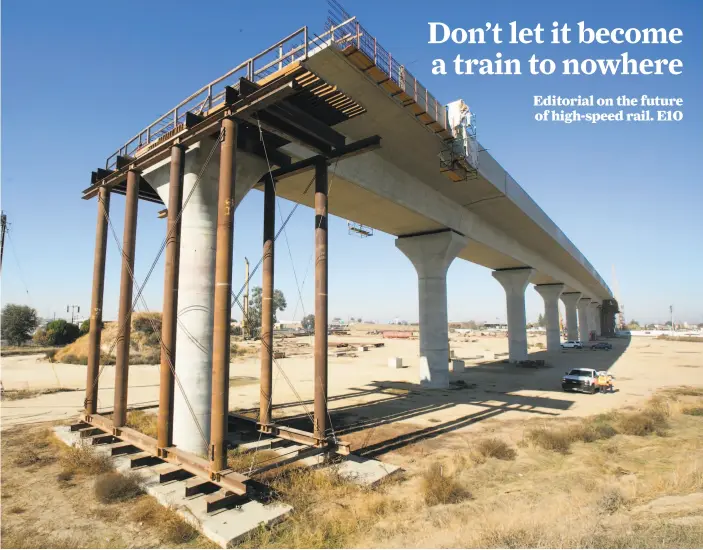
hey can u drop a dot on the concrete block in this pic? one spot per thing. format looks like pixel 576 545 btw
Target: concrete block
pixel 458 365
pixel 362 348
pixel 395 362
pixel 364 471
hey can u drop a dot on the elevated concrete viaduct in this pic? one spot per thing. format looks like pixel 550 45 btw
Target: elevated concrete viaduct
pixel 305 104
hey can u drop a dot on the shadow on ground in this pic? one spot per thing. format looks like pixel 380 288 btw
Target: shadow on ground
pixel 490 388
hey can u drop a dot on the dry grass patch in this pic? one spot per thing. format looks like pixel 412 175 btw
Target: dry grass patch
pixel 82 459
pixel 493 448
pixel 557 440
pixel 442 487
pixel 172 528
pixel 116 487
pixel 16 395
pixel 144 422
pixel 328 511
pixel 241 461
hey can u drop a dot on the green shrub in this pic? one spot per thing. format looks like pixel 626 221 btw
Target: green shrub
pixel 61 332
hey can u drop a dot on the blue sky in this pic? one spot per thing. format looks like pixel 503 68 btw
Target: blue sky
pixel 80 77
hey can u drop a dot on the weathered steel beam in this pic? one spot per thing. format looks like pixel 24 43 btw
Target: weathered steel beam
pixel 222 307
pixel 267 306
pixel 124 317
pixel 356 148
pixel 227 479
pixel 170 305
pixel 96 303
pixel 321 274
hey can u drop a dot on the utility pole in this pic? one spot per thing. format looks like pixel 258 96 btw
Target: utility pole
pixel 3 228
pixel 72 309
pixel 671 311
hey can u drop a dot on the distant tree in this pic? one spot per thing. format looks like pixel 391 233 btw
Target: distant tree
pixel 279 304
pixel 633 325
pixel 667 324
pixel 540 320
pixel 85 327
pixel 18 323
pixel 308 322
pixel 61 332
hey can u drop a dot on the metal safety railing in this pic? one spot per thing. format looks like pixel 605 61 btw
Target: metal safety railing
pixel 297 46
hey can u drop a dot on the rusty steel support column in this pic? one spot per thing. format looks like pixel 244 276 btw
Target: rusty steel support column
pixel 170 307
pixel 222 307
pixel 267 308
pixel 96 303
pixel 124 316
pixel 321 187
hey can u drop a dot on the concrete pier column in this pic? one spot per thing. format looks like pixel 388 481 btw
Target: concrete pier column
pixel 196 280
pixel 571 300
pixel 598 321
pixel 550 294
pixel 514 283
pixel 593 316
pixel 583 319
pixel 431 254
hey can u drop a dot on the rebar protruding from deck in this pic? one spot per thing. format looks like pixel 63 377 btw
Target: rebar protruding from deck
pixel 321 187
pixel 124 317
pixel 222 306
pixel 267 305
pixel 96 302
pixel 170 306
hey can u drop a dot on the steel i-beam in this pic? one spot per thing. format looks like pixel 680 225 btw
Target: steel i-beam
pixel 96 303
pixel 124 317
pixel 267 307
pixel 170 307
pixel 321 188
pixel 222 306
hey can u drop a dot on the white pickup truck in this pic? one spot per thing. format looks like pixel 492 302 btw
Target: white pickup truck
pixel 580 379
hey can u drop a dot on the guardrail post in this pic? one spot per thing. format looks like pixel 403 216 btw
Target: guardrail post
pixel 305 41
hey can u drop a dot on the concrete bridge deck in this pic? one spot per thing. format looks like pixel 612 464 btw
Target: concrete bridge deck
pixel 327 99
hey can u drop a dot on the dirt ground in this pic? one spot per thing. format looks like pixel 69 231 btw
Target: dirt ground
pixel 364 389
pixel 539 485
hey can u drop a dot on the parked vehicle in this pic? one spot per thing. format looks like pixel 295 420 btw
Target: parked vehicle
pixel 602 345
pixel 572 344
pixel 580 379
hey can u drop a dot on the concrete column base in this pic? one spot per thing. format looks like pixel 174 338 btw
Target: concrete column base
pixel 431 254
pixel 514 282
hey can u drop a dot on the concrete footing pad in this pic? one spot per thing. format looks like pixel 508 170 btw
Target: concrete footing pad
pixel 224 527
pixel 364 471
